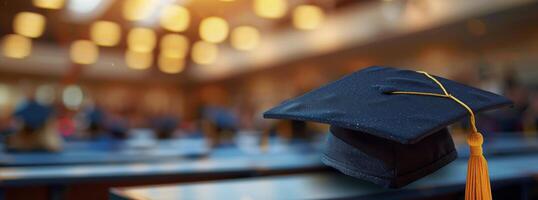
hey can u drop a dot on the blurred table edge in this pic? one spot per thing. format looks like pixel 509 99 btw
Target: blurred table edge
pixel 503 170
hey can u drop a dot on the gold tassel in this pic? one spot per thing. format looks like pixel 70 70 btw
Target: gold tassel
pixel 478 186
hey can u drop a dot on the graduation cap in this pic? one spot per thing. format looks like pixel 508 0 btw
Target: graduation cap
pixel 389 126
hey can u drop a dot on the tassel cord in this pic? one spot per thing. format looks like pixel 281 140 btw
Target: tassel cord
pixel 478 185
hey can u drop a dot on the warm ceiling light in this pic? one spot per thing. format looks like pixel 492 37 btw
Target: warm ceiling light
pixel 138 60
pixel 245 38
pixel 141 39
pixel 16 46
pixel 136 10
pixel 85 7
pixel 105 33
pixel 29 24
pixel 171 65
pixel 49 4
pixel 84 52
pixel 307 17
pixel 175 18
pixel 174 46
pixel 270 8
pixel 204 52
pixel 214 29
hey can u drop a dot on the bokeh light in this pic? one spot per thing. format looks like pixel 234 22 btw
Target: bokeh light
pixel 245 38
pixel 204 52
pixel 136 10
pixel 72 97
pixel 29 24
pixel 175 18
pixel 105 33
pixel 270 8
pixel 214 29
pixel 171 65
pixel 138 60
pixel 16 46
pixel 84 52
pixel 45 94
pixel 49 4
pixel 4 95
pixel 141 40
pixel 174 46
pixel 307 17
pixel 85 7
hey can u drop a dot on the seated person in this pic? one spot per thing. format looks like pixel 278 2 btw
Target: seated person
pixel 219 124
pixel 36 130
pixel 94 116
pixel 164 125
pixel 117 125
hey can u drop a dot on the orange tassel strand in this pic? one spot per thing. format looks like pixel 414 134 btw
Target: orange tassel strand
pixel 477 186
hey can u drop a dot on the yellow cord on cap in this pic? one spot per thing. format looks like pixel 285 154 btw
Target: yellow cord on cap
pixel 477 186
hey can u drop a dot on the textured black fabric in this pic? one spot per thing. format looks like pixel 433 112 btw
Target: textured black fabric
pixel 388 139
pixel 360 101
pixel 385 162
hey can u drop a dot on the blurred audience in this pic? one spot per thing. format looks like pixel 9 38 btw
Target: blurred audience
pixel 94 117
pixel 511 119
pixel 35 128
pixel 164 125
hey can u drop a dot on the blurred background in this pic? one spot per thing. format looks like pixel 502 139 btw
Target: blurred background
pixel 91 89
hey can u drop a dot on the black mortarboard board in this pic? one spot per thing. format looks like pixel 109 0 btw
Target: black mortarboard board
pixel 388 139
